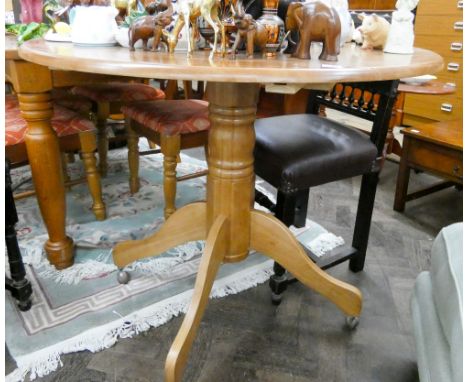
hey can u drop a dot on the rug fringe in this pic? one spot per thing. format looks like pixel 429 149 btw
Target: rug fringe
pixel 45 361
pixel 324 242
pixel 104 265
pixel 73 275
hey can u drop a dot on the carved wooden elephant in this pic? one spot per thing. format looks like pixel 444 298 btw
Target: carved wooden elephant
pixel 254 33
pixel 146 27
pixel 317 22
pixel 143 29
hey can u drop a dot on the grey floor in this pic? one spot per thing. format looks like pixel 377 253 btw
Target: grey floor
pixel 245 338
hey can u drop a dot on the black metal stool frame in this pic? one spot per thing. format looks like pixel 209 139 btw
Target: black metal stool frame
pixel 18 284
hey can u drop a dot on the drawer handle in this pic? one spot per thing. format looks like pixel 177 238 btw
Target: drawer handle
pixel 460 4
pixel 447 107
pixel 456 46
pixel 456 169
pixel 453 67
pixel 458 26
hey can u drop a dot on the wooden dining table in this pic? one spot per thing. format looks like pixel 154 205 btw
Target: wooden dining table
pixel 227 219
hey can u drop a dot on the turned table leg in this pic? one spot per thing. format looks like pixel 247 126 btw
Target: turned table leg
pixel 46 168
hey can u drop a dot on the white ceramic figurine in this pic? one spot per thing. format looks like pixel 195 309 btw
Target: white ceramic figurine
pixel 401 35
pixel 374 30
pixel 347 25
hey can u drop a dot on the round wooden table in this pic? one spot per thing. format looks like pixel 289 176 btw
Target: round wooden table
pixel 227 220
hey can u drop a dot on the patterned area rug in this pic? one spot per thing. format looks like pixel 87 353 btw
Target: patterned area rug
pixel 84 307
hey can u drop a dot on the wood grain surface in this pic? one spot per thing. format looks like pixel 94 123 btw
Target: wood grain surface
pixel 354 64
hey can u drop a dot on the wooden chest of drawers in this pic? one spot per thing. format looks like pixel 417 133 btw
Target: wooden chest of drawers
pixel 439 27
pixel 436 148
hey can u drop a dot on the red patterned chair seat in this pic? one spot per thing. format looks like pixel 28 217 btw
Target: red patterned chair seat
pixel 81 106
pixel 171 117
pixel 65 98
pixel 118 92
pixel 64 122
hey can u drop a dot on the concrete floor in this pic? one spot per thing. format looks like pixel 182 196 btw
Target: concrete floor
pixel 245 338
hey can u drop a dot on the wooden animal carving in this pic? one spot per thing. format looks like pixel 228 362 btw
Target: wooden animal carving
pixel 190 10
pixel 146 27
pixel 315 21
pixel 102 3
pixel 156 7
pixel 125 7
pixel 249 30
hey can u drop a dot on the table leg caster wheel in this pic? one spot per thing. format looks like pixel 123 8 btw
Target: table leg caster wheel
pixel 123 277
pixel 352 322
pixel 276 298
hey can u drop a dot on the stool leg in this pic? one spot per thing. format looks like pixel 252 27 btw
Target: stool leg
pixel 18 284
pixel 363 220
pixel 133 157
pixel 66 177
pixel 70 157
pixel 188 91
pixel 284 211
pixel 207 151
pixel 401 190
pixel 88 147
pixel 171 89
pixel 151 144
pixel 103 112
pixel 170 147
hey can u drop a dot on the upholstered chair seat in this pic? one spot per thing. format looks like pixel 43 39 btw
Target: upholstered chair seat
pixel 65 98
pixel 316 151
pixel 81 106
pixel 75 133
pixel 118 92
pixel 64 122
pixel 173 125
pixel 108 98
pixel 171 117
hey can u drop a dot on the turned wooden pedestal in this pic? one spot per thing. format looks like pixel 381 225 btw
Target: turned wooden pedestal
pixel 228 222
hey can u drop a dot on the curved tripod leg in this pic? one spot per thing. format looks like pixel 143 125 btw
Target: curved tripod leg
pixel 211 260
pixel 186 224
pixel 271 237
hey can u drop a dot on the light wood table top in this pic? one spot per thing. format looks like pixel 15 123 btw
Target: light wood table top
pixel 11 47
pixel 354 64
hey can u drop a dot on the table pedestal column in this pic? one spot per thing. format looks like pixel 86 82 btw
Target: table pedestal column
pixel 231 173
pixel 228 222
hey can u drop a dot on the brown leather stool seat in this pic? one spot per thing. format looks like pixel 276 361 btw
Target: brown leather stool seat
pixel 295 152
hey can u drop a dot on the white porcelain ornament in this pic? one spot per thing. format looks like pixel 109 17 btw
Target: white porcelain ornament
pixel 347 24
pixel 94 25
pixel 401 35
pixel 374 30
